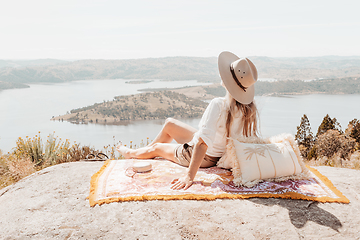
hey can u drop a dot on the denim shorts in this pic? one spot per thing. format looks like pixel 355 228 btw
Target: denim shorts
pixel 183 155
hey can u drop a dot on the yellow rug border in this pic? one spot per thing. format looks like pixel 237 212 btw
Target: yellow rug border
pixel 329 184
pixel 210 197
pixel 94 183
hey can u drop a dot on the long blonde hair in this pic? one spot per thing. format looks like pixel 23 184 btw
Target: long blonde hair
pixel 249 116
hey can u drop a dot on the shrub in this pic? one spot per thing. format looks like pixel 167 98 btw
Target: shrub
pixel 333 142
pixel 353 130
pixel 30 148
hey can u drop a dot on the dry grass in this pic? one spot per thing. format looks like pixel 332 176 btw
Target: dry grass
pixel 13 169
pixel 20 168
pixel 31 155
pixel 5 177
pixel 355 160
pixel 335 161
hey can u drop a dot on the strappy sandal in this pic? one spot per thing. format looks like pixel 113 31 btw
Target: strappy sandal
pixel 97 157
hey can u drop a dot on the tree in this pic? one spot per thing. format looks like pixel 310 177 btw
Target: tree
pixel 312 153
pixel 304 136
pixel 328 124
pixel 353 130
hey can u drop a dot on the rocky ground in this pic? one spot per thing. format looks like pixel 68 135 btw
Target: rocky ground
pixel 51 204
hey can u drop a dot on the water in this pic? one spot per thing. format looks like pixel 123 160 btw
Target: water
pixel 25 112
pixel 283 114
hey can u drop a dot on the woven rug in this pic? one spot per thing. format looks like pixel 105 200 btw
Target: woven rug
pixel 116 182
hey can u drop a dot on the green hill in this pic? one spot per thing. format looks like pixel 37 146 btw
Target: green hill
pixel 145 106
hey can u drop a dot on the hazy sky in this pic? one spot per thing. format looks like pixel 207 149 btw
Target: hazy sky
pixel 116 29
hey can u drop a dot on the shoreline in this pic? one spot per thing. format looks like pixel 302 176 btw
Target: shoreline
pixel 192 92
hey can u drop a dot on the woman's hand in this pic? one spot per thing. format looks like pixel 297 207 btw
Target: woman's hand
pixel 196 159
pixel 181 183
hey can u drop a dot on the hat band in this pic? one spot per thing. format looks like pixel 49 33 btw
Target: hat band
pixel 236 80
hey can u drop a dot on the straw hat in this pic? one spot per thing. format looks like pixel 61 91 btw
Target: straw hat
pixel 238 76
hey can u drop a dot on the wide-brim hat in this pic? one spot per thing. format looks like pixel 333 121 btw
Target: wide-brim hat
pixel 238 76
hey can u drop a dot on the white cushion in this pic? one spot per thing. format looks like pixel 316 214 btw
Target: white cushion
pixel 262 161
pixel 254 159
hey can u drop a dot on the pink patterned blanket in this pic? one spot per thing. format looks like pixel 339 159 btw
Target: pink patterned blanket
pixel 114 182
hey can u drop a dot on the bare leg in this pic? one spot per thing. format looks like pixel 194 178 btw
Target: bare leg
pixel 160 147
pixel 174 130
pixel 165 150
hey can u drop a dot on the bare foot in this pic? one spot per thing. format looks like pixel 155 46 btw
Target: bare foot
pixel 125 151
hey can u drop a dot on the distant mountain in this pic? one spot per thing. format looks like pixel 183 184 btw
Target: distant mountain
pixel 349 85
pixel 307 68
pixel 29 63
pixel 325 62
pixel 172 68
pixel 9 85
pixel 176 68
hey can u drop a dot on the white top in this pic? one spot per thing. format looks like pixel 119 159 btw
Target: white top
pixel 212 129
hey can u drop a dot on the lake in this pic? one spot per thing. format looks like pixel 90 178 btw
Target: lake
pixel 25 112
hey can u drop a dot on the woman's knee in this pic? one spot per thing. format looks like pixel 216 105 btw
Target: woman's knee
pixel 170 121
pixel 164 150
pixel 154 148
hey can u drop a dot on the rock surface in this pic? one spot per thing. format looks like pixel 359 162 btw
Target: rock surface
pixel 51 204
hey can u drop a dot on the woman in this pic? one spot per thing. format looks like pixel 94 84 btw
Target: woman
pixel 231 116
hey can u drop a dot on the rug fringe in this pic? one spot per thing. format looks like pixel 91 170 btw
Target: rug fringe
pixel 290 195
pixel 94 183
pixel 328 183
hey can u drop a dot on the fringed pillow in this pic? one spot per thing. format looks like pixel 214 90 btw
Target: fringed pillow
pixel 253 160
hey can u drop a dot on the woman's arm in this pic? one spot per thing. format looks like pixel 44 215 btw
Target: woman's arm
pixel 196 159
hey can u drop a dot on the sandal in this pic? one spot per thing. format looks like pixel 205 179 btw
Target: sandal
pixel 97 157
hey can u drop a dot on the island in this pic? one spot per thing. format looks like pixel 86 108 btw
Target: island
pixel 190 102
pixel 144 106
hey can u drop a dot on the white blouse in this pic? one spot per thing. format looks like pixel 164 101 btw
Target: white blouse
pixel 212 129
